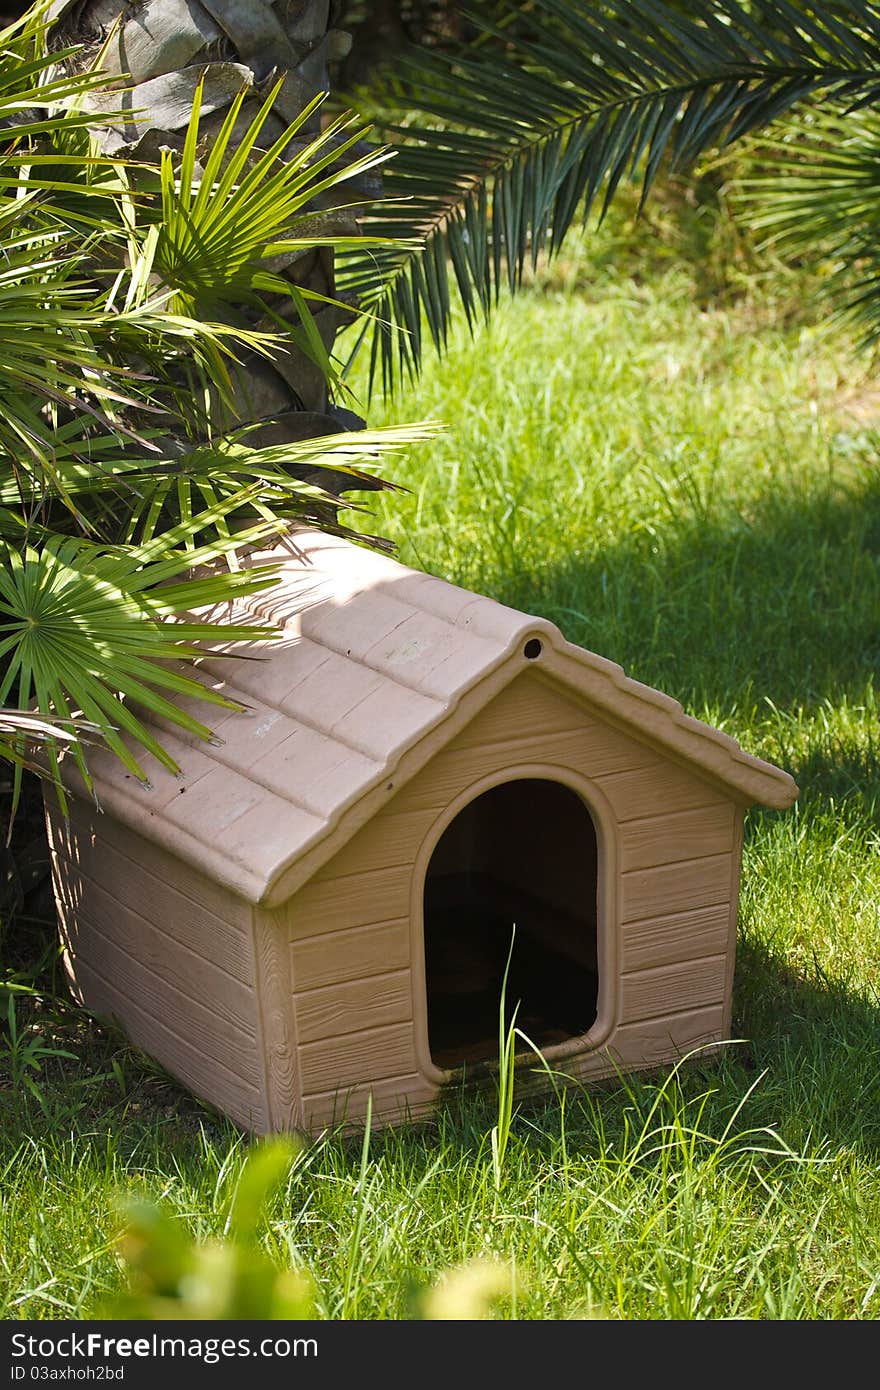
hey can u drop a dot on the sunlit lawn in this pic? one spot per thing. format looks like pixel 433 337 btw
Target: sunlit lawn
pixel 689 485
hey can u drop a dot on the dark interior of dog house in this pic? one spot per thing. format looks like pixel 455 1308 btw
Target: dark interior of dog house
pixel 518 865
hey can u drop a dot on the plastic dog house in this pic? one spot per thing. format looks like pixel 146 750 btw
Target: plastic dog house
pixel 322 904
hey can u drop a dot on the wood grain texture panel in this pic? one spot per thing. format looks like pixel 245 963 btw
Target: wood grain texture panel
pixel 672 837
pixel 634 1047
pixel 355 900
pixel 659 789
pixel 675 888
pixel 94 831
pixel 277 1021
pixel 354 1007
pixel 353 1058
pixel 195 928
pixel 157 950
pixel 387 842
pixel 202 1020
pixel 528 703
pixel 666 1039
pixel 591 751
pixel 350 955
pixel 95 840
pixel 200 1073
pixel 395 1101
pixel 672 989
pixel 680 937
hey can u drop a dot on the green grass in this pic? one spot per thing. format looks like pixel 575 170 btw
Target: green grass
pixel 683 476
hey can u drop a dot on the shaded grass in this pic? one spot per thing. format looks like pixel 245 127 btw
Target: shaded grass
pixel 679 484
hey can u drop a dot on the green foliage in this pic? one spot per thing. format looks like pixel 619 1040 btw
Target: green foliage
pixel 507 1037
pixel 22 1054
pixel 225 222
pixel 813 193
pixel 127 482
pixel 502 145
pixel 171 1276
pixel 84 625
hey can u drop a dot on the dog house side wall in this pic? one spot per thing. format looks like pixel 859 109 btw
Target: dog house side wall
pixel 153 944
pixel 353 953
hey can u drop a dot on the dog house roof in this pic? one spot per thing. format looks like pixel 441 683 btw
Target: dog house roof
pixel 377 667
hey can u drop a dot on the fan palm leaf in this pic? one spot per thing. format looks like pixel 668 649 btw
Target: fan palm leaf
pixel 815 191
pixel 81 635
pixel 164 55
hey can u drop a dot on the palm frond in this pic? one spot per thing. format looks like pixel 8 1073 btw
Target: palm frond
pixel 24 723
pixel 215 485
pixel 500 149
pixel 25 736
pixel 815 191
pixel 107 344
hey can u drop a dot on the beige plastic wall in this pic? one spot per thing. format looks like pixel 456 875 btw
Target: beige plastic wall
pixel 168 954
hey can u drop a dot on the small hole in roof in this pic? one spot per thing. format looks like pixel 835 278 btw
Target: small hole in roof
pixel 532 649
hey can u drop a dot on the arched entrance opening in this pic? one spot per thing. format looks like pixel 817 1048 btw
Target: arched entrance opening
pixel 519 862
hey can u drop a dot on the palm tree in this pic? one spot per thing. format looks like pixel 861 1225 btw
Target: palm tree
pixel 504 144
pixel 160 54
pixel 130 295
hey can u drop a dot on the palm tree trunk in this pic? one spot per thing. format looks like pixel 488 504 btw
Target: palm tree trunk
pixel 161 49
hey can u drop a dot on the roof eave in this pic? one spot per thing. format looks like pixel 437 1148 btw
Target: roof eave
pixel 660 721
